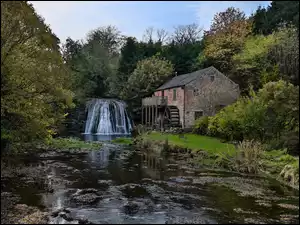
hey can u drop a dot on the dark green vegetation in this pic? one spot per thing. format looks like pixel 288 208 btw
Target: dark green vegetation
pixel 270 116
pixel 122 140
pixel 72 143
pixel 35 82
pixel 41 82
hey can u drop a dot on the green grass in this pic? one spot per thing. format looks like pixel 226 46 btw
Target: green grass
pixel 194 142
pixel 73 143
pixel 122 140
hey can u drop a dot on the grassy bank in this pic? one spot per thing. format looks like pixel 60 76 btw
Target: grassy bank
pixel 193 141
pixel 72 144
pixel 122 140
pixel 248 157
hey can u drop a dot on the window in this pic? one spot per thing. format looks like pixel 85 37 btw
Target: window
pixel 174 94
pixel 196 92
pixel 212 78
pixel 198 114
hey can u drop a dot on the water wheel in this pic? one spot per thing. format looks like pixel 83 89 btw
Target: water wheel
pixel 171 117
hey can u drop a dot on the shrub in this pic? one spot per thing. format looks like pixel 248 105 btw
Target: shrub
pixel 201 125
pixel 271 117
pixel 248 157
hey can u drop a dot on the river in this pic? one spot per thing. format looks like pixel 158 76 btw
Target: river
pixel 117 184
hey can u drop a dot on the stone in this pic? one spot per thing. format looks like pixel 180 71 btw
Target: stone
pixel 89 198
pixel 131 208
pixel 35 218
pixel 288 206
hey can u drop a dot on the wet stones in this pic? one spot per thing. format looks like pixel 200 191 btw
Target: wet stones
pixel 85 191
pixel 58 211
pixel 86 196
pixel 147 180
pixel 35 218
pixel 63 214
pixel 288 219
pixel 173 166
pixel 288 206
pixel 239 210
pixel 131 208
pixel 24 214
pixel 89 198
pixel 263 203
pixel 182 180
pixel 253 221
pixel 105 183
pixel 133 190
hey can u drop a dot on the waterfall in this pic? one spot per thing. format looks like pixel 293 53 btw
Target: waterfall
pixel 107 117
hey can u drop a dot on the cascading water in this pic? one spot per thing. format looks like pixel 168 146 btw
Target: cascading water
pixel 107 117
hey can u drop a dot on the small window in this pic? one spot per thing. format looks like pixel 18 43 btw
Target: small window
pixel 196 92
pixel 212 78
pixel 198 114
pixel 174 94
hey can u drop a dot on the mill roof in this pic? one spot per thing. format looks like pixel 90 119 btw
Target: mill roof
pixel 184 79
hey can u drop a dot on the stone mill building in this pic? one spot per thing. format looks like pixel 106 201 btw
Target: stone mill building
pixel 185 98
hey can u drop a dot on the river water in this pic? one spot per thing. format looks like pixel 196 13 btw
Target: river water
pixel 117 184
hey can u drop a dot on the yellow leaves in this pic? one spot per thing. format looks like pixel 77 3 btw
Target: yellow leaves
pixel 227 42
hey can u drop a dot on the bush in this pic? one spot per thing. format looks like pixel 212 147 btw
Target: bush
pixel 201 125
pixel 248 157
pixel 246 160
pixel 271 117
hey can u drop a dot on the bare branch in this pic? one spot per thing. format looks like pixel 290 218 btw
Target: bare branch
pixel 187 34
pixel 162 35
pixel 148 35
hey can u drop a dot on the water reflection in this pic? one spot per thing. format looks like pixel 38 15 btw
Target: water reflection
pixel 99 159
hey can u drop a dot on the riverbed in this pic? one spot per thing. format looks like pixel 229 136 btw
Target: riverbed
pixel 118 184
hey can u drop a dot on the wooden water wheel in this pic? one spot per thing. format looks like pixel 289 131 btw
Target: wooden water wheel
pixel 171 117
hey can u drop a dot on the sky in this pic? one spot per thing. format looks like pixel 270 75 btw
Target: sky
pixel 76 18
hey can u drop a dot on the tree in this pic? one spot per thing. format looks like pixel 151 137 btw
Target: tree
pixel 277 15
pixel 268 58
pixel 285 54
pixel 95 63
pixel 162 36
pixel 252 65
pixel 223 20
pixel 222 44
pixel 148 35
pixel 109 37
pixel 148 75
pixel 34 80
pixel 186 34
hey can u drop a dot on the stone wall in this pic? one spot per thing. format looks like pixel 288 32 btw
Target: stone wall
pixel 208 95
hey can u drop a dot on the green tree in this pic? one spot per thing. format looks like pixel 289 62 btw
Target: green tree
pixel 94 64
pixel 252 65
pixel 34 80
pixel 148 75
pixel 277 15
